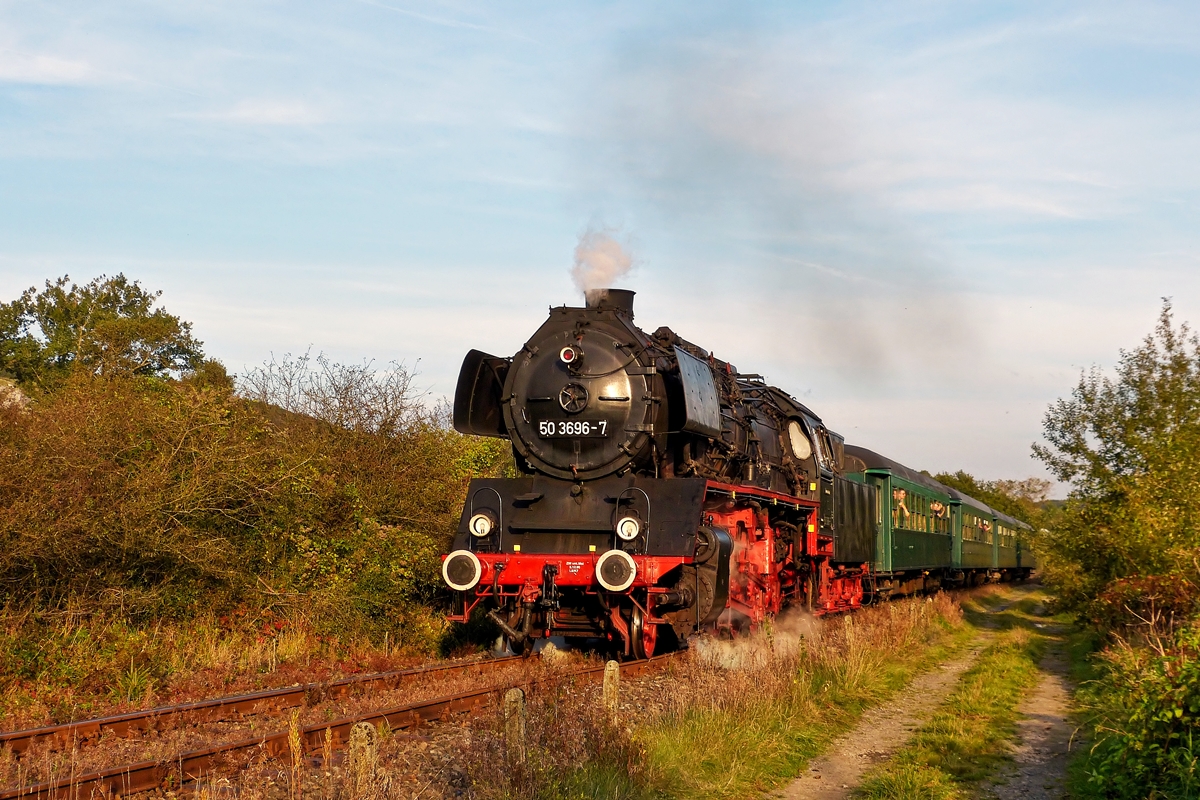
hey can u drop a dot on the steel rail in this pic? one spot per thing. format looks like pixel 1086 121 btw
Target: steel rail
pixel 193 765
pixel 221 708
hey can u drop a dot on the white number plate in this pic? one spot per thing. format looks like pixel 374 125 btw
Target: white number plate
pixel 572 428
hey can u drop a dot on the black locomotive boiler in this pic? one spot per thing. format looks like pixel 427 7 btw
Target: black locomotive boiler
pixel 664 493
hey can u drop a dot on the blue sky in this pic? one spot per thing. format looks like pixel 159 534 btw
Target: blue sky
pixel 922 218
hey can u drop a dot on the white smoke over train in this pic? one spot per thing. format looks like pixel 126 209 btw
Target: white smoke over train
pixel 599 260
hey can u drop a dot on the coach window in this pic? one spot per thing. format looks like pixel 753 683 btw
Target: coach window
pixel 922 508
pixel 900 512
pixel 971 528
pixel 941 516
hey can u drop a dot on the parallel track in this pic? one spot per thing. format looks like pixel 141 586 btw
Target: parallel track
pixel 222 708
pixel 194 765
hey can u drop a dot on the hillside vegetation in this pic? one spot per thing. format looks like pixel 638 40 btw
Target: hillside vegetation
pixel 141 484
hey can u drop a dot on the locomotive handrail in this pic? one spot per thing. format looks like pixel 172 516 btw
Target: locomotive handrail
pixel 775 498
pixel 633 359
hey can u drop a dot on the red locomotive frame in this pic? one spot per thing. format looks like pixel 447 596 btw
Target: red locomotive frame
pixel 765 575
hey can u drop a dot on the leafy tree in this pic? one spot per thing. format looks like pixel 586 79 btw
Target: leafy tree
pixel 1129 445
pixel 108 326
pixel 1126 554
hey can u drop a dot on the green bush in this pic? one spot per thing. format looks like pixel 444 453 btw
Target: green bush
pixel 140 493
pixel 1145 711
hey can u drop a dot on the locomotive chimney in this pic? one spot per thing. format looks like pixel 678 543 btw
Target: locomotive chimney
pixel 620 299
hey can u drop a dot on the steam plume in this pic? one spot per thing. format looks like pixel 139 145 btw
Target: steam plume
pixel 599 260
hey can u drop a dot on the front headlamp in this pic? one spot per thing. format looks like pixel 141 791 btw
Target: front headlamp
pixel 481 524
pixel 628 528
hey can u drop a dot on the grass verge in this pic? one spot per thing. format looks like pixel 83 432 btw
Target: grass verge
pixel 739 717
pixel 779 713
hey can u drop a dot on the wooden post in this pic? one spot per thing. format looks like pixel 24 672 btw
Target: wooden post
pixel 612 689
pixel 514 727
pixel 363 758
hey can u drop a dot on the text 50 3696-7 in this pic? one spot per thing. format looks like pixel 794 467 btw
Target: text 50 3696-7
pixel 572 428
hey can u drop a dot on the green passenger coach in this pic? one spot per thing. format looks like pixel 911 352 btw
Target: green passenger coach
pixel 929 535
pixel 977 533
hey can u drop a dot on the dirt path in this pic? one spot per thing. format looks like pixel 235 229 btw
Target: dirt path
pixel 881 731
pixel 886 728
pixel 1043 739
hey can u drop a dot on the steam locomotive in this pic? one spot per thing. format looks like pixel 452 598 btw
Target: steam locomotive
pixel 664 493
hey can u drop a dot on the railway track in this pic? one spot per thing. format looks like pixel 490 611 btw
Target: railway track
pixel 263 702
pixel 187 767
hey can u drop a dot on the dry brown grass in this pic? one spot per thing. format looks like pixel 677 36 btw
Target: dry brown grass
pixel 766 692
pixel 78 666
pixel 769 691
pixel 169 738
pixel 736 676
pixel 567 727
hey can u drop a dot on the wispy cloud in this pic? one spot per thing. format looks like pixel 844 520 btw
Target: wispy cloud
pixel 38 68
pixel 444 22
pixel 265 112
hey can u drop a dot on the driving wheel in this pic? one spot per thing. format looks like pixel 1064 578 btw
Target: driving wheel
pixel 644 635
